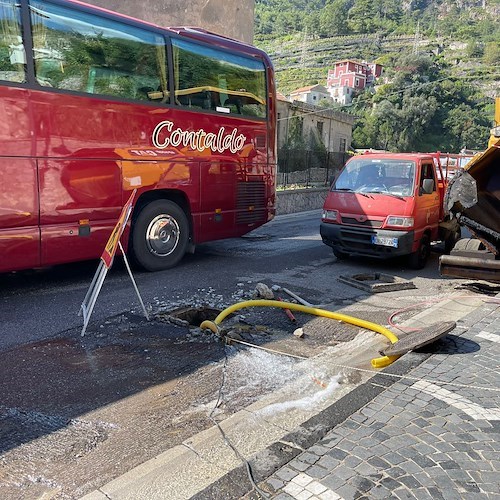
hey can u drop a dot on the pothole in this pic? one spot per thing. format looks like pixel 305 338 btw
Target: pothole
pixel 194 316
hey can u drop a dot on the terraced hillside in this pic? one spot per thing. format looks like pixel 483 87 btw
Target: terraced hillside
pixel 302 60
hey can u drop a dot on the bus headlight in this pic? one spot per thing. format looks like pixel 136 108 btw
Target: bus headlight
pixel 330 216
pixel 399 221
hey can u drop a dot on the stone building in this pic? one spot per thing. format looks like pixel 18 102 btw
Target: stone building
pixel 234 19
pixel 332 128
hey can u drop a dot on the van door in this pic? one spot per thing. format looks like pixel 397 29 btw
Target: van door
pixel 426 204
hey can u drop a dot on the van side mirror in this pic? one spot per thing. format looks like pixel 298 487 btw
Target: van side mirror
pixel 427 186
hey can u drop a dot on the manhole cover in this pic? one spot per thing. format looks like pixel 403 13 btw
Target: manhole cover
pixel 418 339
pixel 377 282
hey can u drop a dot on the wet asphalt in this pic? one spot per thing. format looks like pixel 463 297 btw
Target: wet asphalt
pixel 78 411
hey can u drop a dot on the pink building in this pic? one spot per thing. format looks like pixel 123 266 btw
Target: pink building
pixel 349 76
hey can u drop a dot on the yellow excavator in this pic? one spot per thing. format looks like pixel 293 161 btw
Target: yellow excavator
pixel 473 198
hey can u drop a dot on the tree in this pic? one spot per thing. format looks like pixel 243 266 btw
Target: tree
pixel 491 53
pixel 474 49
pixel 416 115
pixel 333 18
pixel 391 9
pixel 467 127
pixel 362 16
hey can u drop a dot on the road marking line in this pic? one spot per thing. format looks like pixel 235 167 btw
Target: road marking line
pixel 303 486
pixel 489 336
pixel 461 403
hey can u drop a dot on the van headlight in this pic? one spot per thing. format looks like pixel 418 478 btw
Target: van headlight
pixel 399 221
pixel 330 216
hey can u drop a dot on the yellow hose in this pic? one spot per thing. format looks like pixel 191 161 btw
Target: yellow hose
pixel 376 362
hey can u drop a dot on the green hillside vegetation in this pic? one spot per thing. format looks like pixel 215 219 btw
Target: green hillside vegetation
pixel 441 64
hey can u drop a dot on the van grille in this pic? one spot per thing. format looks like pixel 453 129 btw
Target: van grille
pixel 366 223
pixel 250 202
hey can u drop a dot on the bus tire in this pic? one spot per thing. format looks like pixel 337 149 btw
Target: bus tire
pixel 160 235
pixel 418 259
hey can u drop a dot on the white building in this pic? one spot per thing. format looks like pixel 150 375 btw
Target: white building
pixel 312 94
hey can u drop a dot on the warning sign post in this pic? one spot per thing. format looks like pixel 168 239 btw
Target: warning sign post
pixel 105 264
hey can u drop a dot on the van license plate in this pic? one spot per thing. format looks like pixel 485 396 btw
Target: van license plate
pixel 385 241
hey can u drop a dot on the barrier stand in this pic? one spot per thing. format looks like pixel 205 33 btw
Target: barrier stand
pixel 105 264
pixel 133 281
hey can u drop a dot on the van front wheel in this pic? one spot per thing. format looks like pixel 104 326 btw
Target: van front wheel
pixel 418 259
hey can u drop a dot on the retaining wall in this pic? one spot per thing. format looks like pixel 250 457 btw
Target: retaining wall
pixel 300 200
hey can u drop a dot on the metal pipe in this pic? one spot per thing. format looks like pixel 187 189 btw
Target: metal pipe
pixel 470 267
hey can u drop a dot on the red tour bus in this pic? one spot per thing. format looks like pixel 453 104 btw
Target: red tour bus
pixel 95 104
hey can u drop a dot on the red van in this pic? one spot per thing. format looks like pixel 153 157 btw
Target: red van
pixel 386 205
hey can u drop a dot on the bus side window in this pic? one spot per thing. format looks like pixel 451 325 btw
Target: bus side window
pixel 200 70
pixel 12 54
pixel 83 52
pixel 234 105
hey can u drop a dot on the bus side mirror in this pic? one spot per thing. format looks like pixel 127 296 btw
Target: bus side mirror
pixel 427 186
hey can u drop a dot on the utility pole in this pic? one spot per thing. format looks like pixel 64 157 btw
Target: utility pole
pixel 417 39
pixel 303 57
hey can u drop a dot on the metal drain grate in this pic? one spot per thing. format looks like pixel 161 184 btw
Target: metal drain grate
pixel 377 282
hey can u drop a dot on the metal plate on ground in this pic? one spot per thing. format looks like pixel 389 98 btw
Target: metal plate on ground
pixel 418 339
pixel 377 282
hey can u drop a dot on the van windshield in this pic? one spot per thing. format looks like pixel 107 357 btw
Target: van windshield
pixel 362 175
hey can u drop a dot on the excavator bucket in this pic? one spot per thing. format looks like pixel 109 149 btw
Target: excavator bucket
pixel 473 196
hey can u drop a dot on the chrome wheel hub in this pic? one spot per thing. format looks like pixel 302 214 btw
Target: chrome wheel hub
pixel 162 235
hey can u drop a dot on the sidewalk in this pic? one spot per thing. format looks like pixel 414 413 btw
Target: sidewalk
pixel 431 433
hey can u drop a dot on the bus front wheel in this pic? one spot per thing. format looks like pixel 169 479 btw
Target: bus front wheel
pixel 160 235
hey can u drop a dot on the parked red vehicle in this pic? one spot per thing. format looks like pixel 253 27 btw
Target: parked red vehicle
pixel 386 205
pixel 96 104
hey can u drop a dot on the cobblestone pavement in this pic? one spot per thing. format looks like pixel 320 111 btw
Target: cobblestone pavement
pixel 433 433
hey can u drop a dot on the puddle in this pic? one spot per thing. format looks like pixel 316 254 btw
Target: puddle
pixel 308 401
